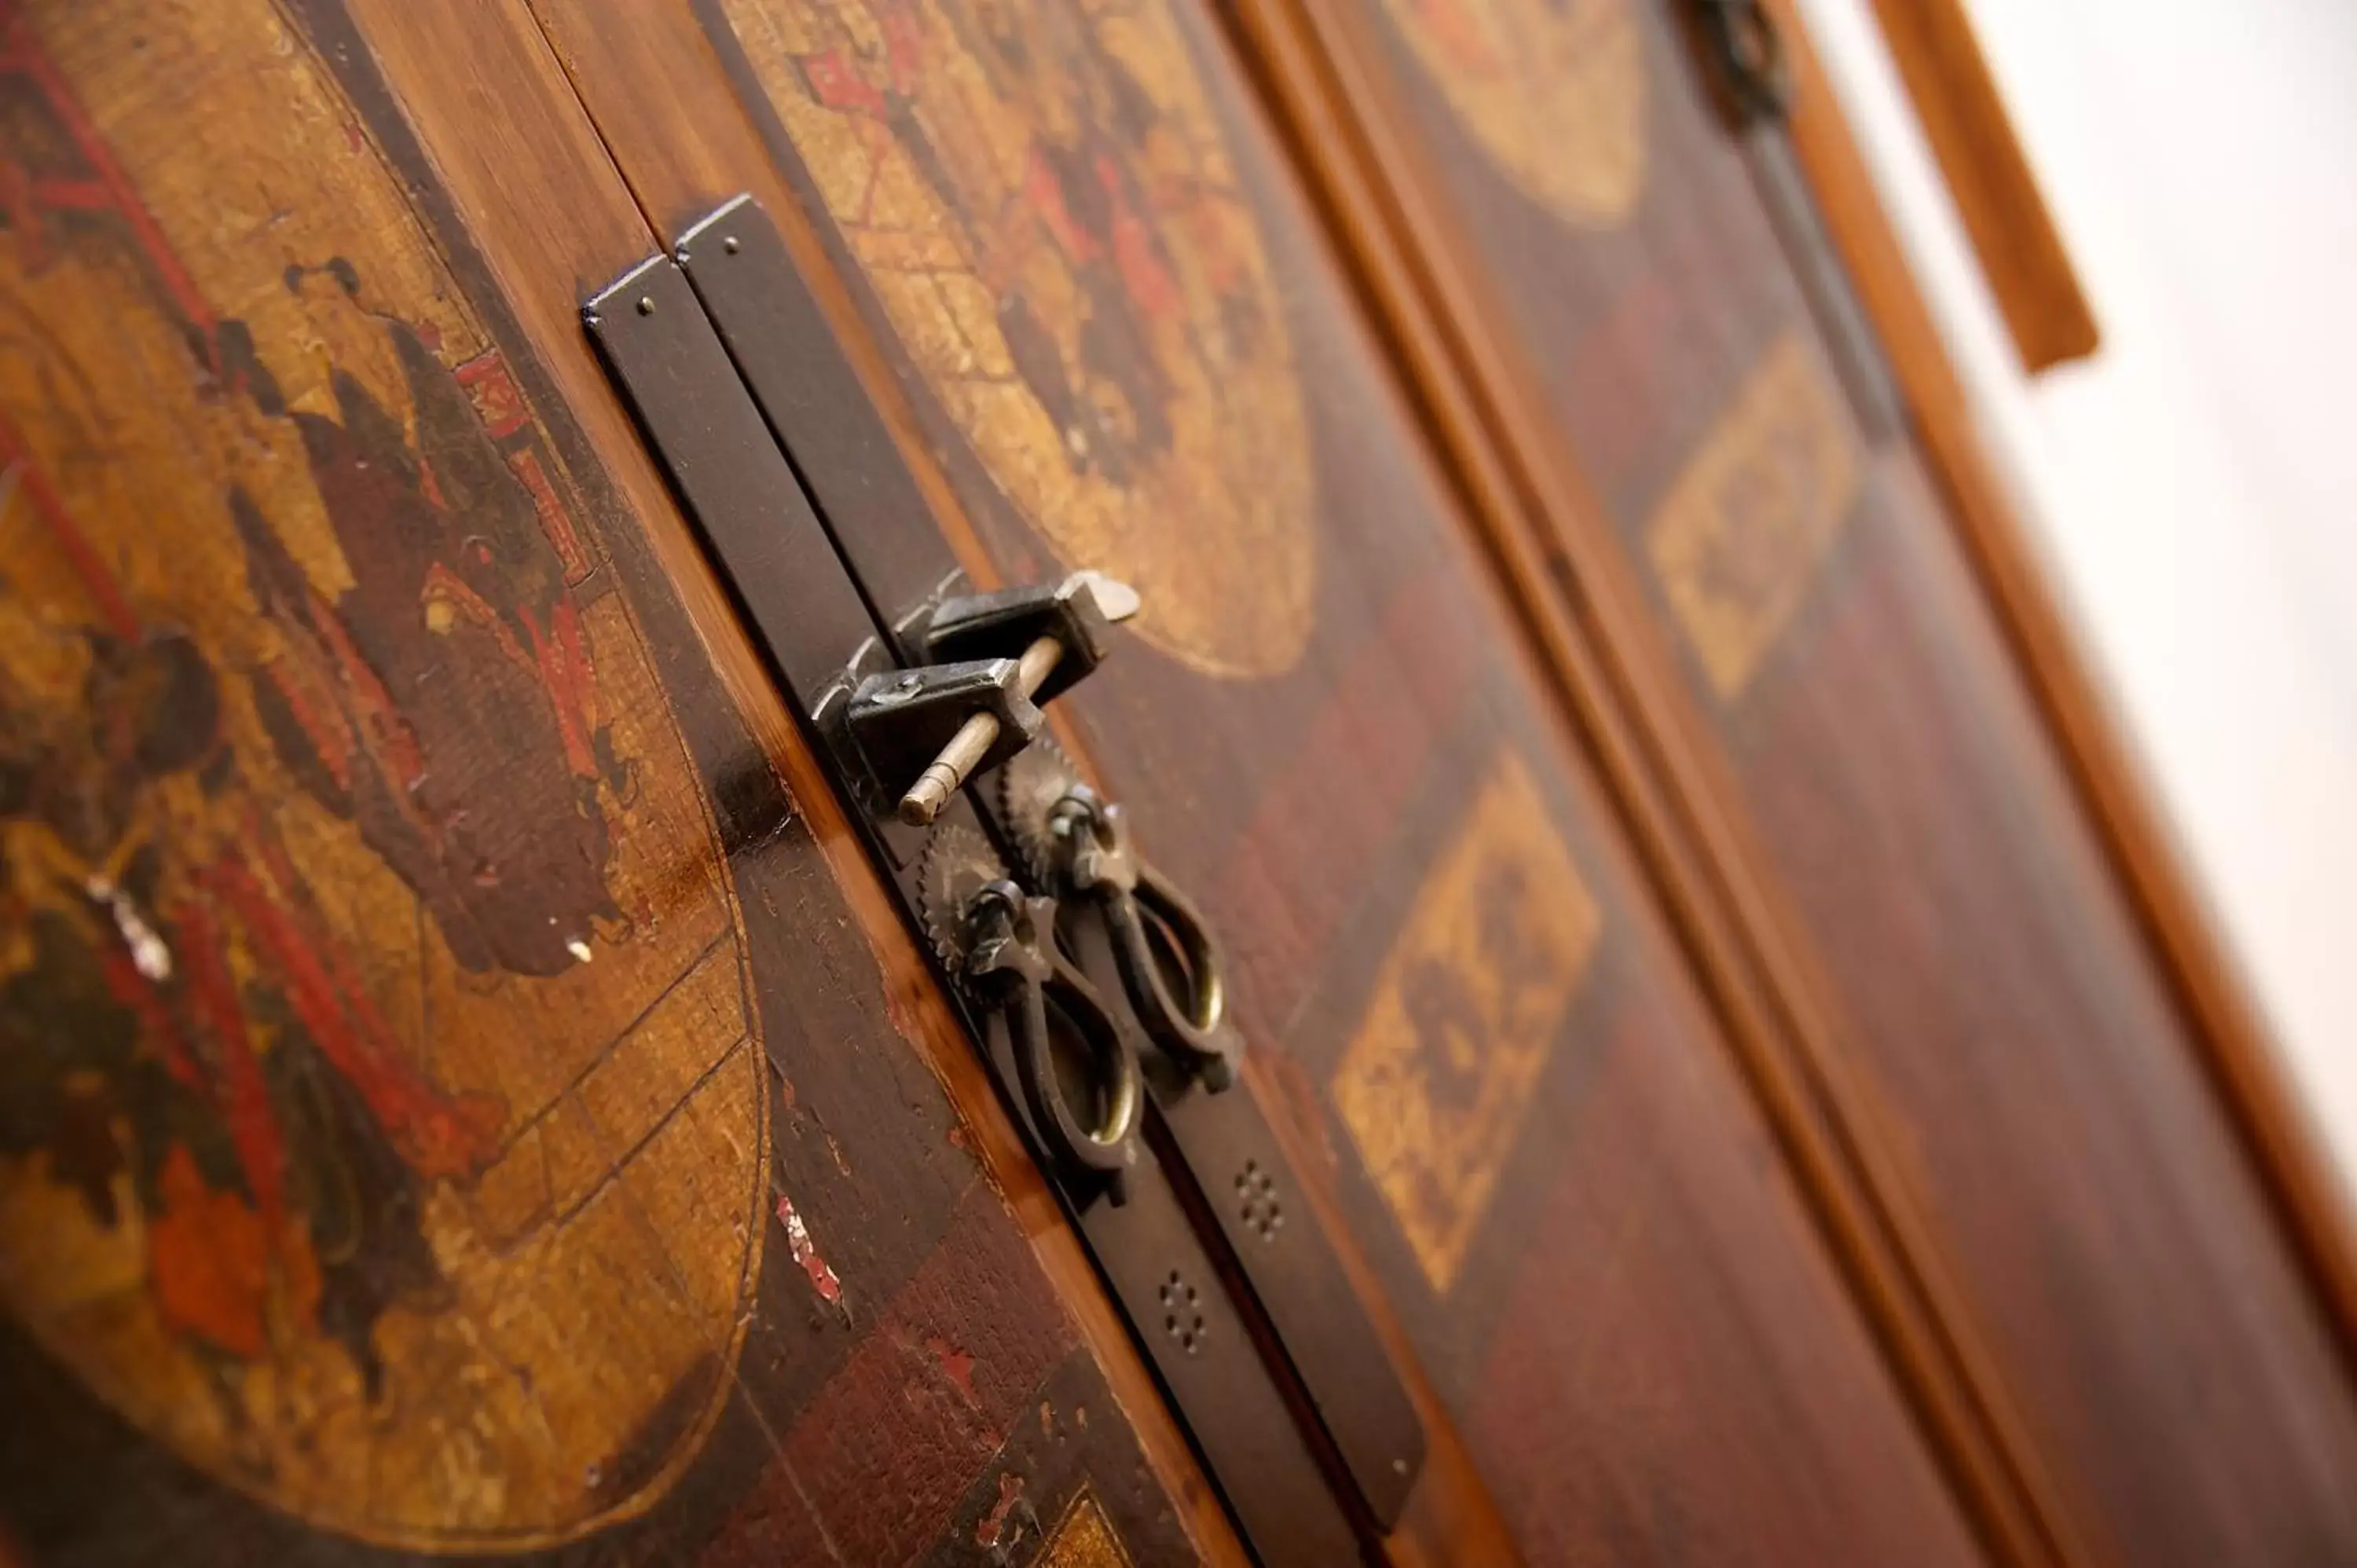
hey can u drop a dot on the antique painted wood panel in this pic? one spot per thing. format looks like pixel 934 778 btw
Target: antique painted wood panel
pixel 1108 332
pixel 1603 236
pixel 460 1093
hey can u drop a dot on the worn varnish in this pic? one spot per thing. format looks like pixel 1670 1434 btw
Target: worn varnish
pixel 450 1104
pixel 2008 1041
pixel 464 1092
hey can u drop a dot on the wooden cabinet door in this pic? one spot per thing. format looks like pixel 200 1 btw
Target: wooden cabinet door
pixel 1719 471
pixel 461 1094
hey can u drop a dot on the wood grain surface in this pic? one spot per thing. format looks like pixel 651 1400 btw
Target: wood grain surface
pixel 1596 638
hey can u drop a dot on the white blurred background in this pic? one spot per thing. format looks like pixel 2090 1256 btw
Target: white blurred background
pixel 2197 480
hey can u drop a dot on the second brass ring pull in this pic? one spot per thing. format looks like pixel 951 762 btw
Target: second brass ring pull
pixel 1014 954
pixel 999 942
pixel 1098 863
pixel 1078 843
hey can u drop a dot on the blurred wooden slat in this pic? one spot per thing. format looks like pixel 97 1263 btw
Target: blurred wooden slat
pixel 2020 250
pixel 2242 1059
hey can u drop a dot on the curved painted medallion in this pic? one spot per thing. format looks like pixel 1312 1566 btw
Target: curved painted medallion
pixel 381 1113
pixel 1037 192
pixel 1552 91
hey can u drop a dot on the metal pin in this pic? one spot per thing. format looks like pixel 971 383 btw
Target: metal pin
pixel 946 776
pixel 1116 601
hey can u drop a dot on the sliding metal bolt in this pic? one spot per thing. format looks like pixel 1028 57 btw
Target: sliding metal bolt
pixel 947 773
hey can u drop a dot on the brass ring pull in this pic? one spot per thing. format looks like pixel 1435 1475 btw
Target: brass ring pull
pixel 1015 955
pixel 1101 865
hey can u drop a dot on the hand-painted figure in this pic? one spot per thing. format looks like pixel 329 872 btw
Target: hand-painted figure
pixel 471 756
pixel 180 1026
pixel 174 1013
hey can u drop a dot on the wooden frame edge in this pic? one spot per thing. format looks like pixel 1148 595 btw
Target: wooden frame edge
pixel 1774 1015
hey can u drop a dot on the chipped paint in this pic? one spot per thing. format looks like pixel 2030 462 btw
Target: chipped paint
pixel 149 956
pixel 957 1365
pixel 994 1523
pixel 804 1252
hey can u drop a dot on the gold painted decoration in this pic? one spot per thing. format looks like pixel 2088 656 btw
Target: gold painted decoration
pixel 381 1119
pixel 1738 538
pixel 1553 92
pixel 1084 1537
pixel 1039 194
pixel 1437 1081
